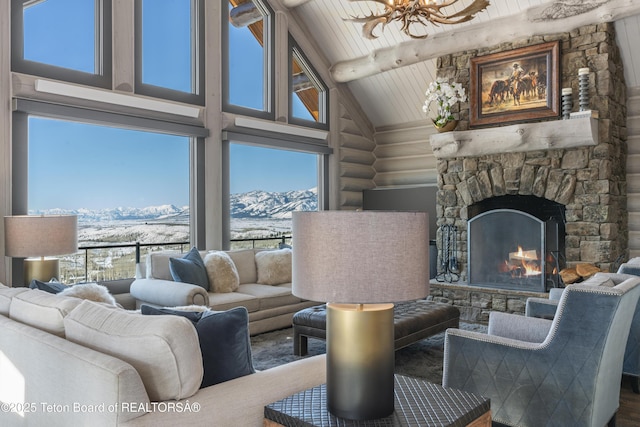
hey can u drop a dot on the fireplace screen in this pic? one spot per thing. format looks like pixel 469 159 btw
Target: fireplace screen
pixel 506 249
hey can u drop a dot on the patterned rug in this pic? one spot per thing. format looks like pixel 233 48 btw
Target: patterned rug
pixel 422 359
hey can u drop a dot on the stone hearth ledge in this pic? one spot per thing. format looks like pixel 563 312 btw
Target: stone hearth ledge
pixel 549 135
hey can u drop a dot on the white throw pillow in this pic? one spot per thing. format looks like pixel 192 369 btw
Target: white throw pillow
pixel 90 291
pixel 274 267
pixel 163 349
pixel 222 272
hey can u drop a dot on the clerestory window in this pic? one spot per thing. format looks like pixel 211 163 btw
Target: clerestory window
pixel 45 43
pixel 308 96
pixel 170 49
pixel 248 75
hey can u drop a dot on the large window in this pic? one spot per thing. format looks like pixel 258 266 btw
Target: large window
pixel 170 49
pixel 307 94
pixel 266 186
pixel 63 39
pixel 248 74
pixel 126 186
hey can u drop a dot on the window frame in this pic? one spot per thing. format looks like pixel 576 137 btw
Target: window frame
pixel 271 140
pixel 25 108
pixel 104 50
pixel 323 96
pixel 198 69
pixel 269 66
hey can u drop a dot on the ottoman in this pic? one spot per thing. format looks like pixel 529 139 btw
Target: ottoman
pixel 412 320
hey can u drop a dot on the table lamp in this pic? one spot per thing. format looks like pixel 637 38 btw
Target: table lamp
pixel 40 236
pixel 359 263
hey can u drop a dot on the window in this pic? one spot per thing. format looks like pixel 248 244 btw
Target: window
pixel 247 55
pixel 170 49
pixel 266 186
pixel 44 42
pixel 126 186
pixel 307 93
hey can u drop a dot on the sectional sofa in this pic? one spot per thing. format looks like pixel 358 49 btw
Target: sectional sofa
pixel 262 285
pixel 65 361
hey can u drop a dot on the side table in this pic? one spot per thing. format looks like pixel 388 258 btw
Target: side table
pixel 417 403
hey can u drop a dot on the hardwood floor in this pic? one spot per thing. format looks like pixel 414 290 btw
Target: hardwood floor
pixel 629 411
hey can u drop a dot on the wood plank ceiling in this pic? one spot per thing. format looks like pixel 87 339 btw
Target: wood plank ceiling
pixel 394 98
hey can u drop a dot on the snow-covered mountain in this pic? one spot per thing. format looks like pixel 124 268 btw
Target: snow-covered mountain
pixel 263 204
pixel 163 212
pixel 254 204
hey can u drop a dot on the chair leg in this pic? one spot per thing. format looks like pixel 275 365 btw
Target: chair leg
pixel 634 384
pixel 612 421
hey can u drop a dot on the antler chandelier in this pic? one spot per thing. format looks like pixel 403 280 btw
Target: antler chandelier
pixel 410 12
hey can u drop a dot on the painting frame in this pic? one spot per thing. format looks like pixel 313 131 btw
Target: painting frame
pixel 499 85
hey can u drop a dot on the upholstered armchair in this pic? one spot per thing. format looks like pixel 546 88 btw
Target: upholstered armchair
pixel 537 372
pixel 546 308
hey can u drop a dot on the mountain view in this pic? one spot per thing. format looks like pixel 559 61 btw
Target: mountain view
pixel 254 215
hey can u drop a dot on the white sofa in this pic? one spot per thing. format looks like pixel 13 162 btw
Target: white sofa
pixel 62 363
pixel 270 307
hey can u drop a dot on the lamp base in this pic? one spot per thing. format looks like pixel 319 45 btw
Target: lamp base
pixel 360 360
pixel 43 269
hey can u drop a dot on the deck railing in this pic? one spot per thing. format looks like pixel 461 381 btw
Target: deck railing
pixel 118 261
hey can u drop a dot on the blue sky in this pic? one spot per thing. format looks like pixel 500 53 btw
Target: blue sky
pixel 74 165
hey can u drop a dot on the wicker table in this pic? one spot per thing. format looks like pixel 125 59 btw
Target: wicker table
pixel 418 403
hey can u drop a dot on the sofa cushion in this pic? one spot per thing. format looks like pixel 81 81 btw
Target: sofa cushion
pixel 221 271
pixel 245 262
pixel 224 341
pixel 52 286
pixel 163 349
pixel 273 267
pixel 89 291
pixel 6 295
pixel 270 296
pixel 226 301
pixel 42 310
pixel 157 266
pixel 189 269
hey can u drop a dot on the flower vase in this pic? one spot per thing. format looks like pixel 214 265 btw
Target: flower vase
pixel 448 127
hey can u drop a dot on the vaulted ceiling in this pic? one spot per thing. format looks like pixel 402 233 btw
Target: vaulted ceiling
pixel 389 75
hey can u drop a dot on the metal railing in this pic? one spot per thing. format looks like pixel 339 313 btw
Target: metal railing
pixel 107 265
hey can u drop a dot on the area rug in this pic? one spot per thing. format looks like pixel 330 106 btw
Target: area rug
pixel 422 359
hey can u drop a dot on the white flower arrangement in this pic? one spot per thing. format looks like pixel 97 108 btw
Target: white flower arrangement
pixel 445 95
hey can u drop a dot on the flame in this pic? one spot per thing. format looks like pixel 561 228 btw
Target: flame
pixel 523 263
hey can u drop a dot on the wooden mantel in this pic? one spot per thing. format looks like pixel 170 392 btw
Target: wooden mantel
pixel 547 135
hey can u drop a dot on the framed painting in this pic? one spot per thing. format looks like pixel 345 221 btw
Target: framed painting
pixel 516 85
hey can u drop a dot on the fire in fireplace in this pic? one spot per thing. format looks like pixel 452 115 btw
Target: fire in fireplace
pixel 517 247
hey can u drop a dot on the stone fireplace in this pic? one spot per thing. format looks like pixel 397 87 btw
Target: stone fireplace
pixel 580 183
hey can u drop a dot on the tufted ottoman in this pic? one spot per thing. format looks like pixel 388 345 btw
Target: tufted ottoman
pixel 413 321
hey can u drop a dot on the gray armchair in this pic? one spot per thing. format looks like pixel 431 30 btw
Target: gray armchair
pixel 546 308
pixel 537 372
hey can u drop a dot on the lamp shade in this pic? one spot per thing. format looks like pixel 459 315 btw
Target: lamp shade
pixel 40 235
pixel 360 257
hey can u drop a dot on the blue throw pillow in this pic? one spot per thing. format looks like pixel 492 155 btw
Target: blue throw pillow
pixel 224 341
pixel 189 269
pixel 51 287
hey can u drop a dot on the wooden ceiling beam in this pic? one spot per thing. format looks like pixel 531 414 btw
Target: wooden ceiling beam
pixel 538 20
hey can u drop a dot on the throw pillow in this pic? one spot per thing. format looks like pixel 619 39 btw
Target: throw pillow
pixel 189 269
pixel 224 342
pixel 52 287
pixel 274 267
pixel 91 292
pixel 222 272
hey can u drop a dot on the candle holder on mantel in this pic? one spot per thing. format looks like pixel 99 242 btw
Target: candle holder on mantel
pixel 583 86
pixel 567 103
